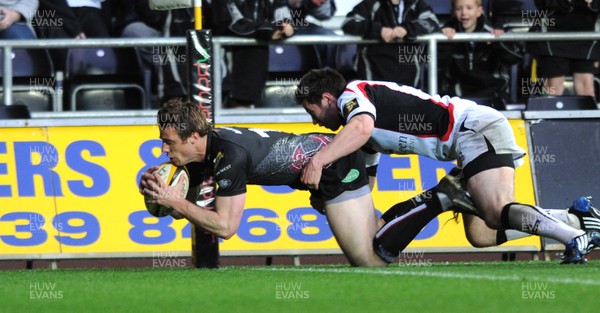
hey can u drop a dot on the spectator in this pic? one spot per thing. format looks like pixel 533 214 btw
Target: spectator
pixel 306 15
pixel 16 17
pixel 263 20
pixel 477 69
pixel 557 59
pixel 166 65
pixel 77 19
pixel 390 21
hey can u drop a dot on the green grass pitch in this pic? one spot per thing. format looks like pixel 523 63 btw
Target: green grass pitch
pixel 425 287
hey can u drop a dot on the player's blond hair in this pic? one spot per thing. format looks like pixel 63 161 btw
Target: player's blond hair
pixel 183 116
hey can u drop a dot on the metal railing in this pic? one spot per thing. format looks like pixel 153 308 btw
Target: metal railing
pixel 220 42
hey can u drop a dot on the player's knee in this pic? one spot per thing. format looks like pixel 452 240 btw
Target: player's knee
pixel 493 222
pixel 492 218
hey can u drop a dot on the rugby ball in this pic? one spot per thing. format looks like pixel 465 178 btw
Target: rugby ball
pixel 170 174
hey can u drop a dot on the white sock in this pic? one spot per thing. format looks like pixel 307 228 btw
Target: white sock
pixel 536 221
pixel 561 215
pixel 565 217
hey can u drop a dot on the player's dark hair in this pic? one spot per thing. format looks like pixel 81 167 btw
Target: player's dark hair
pixel 183 116
pixel 318 81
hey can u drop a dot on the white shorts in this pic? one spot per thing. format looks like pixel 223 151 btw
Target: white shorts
pixel 483 129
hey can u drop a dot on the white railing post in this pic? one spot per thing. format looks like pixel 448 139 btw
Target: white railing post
pixel 7 82
pixel 432 70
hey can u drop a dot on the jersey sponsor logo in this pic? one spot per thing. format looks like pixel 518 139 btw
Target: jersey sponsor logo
pixel 217 159
pixel 352 176
pixel 224 169
pixel 350 106
pixel 224 183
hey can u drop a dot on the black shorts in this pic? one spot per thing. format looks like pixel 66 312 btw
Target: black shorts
pixel 346 174
pixel 550 66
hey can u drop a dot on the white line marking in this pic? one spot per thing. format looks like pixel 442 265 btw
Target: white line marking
pixel 436 275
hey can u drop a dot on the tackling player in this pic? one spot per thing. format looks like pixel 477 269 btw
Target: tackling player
pixel 390 118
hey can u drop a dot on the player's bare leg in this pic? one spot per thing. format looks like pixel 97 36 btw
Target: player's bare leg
pixel 478 233
pixel 481 236
pixel 581 215
pixel 354 223
pixel 492 191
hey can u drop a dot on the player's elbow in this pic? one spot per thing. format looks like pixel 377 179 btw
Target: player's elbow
pixel 226 231
pixel 226 235
pixel 364 131
pixel 364 127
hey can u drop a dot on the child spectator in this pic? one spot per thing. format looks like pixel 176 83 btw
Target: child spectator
pixel 476 69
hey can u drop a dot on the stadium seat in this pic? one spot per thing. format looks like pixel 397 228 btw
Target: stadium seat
pixel 344 61
pixel 287 64
pixel 561 103
pixel 104 79
pixel 32 79
pixel 14 111
pixel 292 61
pixel 442 10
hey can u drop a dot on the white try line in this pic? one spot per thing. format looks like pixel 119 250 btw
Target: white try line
pixel 436 275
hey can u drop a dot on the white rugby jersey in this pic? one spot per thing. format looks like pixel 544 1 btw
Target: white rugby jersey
pixel 407 120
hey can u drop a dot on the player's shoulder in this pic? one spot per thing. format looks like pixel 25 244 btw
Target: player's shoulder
pixel 248 138
pixel 229 137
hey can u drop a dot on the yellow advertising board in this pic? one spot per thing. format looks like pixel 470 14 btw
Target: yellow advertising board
pixel 72 191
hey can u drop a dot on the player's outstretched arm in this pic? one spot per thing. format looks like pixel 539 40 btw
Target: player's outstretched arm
pixel 222 222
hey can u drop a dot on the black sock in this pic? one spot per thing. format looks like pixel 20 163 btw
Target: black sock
pixel 403 222
pixel 428 197
pixel 501 237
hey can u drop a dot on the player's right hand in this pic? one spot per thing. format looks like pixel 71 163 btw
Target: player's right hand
pixel 311 174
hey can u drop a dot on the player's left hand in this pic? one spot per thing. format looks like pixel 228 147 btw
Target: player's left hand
pixel 161 193
pixel 146 178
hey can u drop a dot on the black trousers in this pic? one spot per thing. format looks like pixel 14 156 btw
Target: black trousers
pixel 249 73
